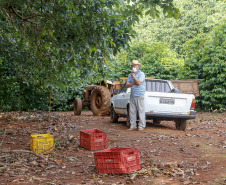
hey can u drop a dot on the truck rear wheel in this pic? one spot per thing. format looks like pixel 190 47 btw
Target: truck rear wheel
pixel 100 101
pixel 181 124
pixel 77 106
pixel 128 118
pixel 156 121
pixel 113 115
pixel 177 125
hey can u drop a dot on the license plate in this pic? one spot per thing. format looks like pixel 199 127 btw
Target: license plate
pixel 166 101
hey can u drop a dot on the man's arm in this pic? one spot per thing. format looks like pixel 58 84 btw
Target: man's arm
pixel 136 81
pixel 130 84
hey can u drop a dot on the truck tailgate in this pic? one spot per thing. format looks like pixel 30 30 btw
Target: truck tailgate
pixel 174 103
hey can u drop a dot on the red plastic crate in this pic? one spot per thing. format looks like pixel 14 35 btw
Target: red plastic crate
pixel 117 160
pixel 93 139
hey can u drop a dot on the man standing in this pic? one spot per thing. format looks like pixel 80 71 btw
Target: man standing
pixel 136 81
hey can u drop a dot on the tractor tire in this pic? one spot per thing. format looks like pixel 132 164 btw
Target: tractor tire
pixel 113 115
pixel 181 124
pixel 100 101
pixel 77 106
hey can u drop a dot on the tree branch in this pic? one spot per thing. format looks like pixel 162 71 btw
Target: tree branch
pixel 21 17
pixel 10 18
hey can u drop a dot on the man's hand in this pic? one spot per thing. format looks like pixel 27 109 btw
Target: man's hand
pixel 133 74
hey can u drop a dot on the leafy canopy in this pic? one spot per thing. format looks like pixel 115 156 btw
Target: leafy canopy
pixel 62 42
pixel 81 31
pixel 157 60
pixel 196 17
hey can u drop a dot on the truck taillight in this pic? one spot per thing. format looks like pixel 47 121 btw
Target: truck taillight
pixel 193 104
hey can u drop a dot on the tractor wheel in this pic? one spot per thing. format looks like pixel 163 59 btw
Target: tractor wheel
pixel 128 118
pixel 77 106
pixel 113 115
pixel 181 124
pixel 100 101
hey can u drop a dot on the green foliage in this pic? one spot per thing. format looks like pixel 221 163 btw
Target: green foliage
pixel 69 44
pixel 204 54
pixel 157 60
pixel 63 44
pixel 80 32
pixel 196 17
pixel 206 59
pixel 19 85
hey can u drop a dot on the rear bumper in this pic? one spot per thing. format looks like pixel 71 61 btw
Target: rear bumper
pixel 159 116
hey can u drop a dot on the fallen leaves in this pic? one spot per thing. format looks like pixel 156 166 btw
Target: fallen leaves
pixel 167 156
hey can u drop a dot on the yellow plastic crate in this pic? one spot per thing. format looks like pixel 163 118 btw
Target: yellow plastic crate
pixel 42 143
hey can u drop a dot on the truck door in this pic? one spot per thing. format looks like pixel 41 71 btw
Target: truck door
pixel 119 102
pixel 126 100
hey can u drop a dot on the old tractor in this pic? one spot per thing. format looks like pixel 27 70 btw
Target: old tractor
pixel 97 97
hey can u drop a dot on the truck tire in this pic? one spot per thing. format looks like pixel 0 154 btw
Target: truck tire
pixel 181 124
pixel 156 121
pixel 100 101
pixel 77 106
pixel 177 124
pixel 128 118
pixel 113 115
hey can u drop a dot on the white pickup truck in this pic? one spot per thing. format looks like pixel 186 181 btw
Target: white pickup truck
pixel 162 102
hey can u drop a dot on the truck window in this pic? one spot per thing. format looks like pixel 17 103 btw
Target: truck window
pixel 157 86
pixel 165 87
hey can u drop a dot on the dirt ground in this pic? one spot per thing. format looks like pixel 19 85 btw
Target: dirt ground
pixel 167 156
